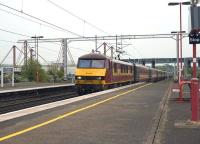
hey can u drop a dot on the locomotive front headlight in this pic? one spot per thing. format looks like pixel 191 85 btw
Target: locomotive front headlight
pixel 98 78
pixel 79 78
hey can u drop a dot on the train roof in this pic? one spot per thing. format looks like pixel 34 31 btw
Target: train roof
pixel 157 70
pixel 101 56
pixel 150 68
pixel 121 62
pixel 93 56
pixel 138 65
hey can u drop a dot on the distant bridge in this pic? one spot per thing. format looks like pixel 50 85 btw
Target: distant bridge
pixel 153 61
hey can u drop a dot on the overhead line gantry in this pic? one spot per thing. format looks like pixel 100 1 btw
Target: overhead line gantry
pixel 66 41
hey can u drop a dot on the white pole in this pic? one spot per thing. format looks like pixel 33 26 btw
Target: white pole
pixel 2 77
pixel 13 76
pixel 64 48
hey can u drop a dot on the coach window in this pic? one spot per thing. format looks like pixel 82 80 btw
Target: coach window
pixel 131 69
pixel 121 67
pixel 115 68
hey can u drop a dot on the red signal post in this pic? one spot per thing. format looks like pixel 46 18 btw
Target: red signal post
pixel 194 39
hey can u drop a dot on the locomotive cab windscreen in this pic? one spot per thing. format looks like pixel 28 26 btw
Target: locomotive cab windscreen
pixel 91 71
pixel 91 63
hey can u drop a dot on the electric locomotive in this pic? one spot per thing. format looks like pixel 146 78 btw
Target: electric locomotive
pixel 97 72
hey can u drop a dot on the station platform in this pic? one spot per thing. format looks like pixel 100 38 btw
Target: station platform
pixel 26 86
pixel 140 113
pixel 176 126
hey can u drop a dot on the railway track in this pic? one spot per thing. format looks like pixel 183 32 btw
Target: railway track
pixel 16 101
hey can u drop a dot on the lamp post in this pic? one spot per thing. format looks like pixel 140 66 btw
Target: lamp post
pixel 180 34
pixel 36 52
pixel 36 44
pixel 177 51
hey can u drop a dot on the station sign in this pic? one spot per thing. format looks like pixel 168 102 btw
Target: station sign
pixel 194 38
pixel 8 69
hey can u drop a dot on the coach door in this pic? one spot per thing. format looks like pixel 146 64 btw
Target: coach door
pixel 110 70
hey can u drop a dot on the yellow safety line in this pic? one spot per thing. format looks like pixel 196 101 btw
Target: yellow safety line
pixel 66 115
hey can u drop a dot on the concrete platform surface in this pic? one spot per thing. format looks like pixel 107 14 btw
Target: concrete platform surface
pixel 175 126
pixel 127 116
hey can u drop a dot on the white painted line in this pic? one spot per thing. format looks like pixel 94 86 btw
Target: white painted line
pixel 27 111
pixel 175 90
pixel 34 88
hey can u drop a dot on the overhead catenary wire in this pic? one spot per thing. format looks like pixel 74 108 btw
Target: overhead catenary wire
pixel 4 30
pixel 79 49
pixel 7 41
pixel 19 56
pixel 21 53
pixel 58 27
pixel 6 56
pixel 45 48
pixel 27 56
pixel 59 55
pixel 50 23
pixel 23 34
pixel 71 57
pixel 78 17
pixel 28 19
pixel 73 33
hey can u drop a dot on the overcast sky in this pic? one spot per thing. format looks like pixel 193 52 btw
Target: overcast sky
pixel 115 17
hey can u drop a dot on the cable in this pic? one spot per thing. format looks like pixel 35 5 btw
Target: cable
pixel 79 49
pixel 40 19
pixel 14 33
pixel 21 12
pixel 71 57
pixel 59 55
pixel 81 19
pixel 22 5
pixel 45 48
pixel 49 22
pixel 30 20
pixel 19 56
pixel 7 41
pixel 6 56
